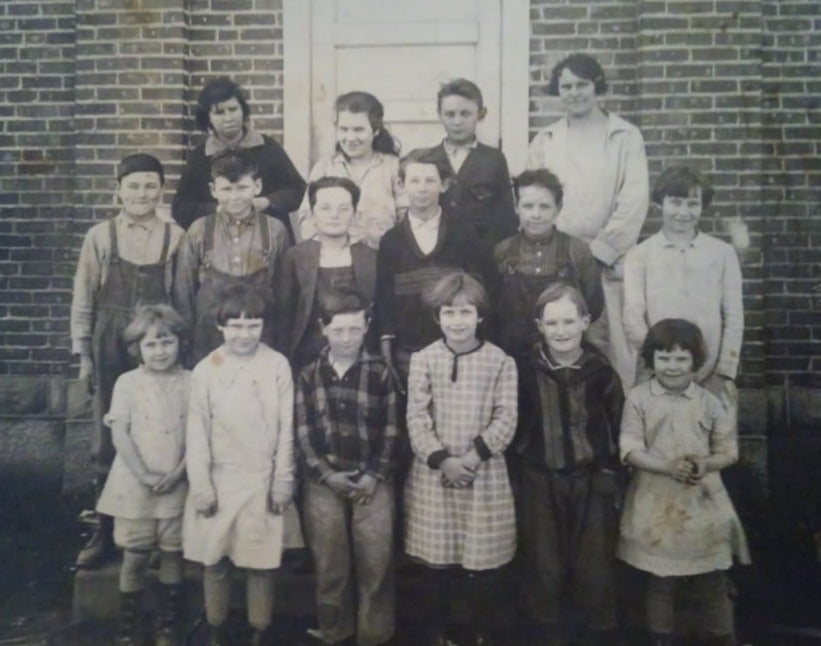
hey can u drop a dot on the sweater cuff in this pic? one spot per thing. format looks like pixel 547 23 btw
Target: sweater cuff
pixel 436 458
pixel 604 252
pixel 482 448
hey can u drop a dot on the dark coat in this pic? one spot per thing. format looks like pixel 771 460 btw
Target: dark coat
pixel 296 288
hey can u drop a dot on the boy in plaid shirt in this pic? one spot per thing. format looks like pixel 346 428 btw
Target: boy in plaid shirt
pixel 346 429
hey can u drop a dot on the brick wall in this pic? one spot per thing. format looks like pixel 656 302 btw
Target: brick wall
pixel 37 55
pixel 727 87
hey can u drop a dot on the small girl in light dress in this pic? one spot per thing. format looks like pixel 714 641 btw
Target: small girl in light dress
pixel 367 154
pixel 146 488
pixel 240 465
pixel 679 524
pixel 462 409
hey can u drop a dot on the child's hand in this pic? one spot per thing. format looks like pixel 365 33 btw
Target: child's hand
pixel 278 502
pixel 86 374
pixel 698 468
pixel 365 488
pixel 455 473
pixel 167 482
pixel 681 470
pixel 205 504
pixel 471 460
pixel 151 479
pixel 341 483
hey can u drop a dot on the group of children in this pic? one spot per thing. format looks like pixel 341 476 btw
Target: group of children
pixel 433 392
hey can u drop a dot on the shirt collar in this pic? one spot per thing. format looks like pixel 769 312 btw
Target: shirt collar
pixel 148 223
pixel 452 148
pixel 666 242
pixel 248 220
pixel 339 158
pixel 418 224
pixel 535 242
pixel 544 354
pixel 215 146
pixel 658 390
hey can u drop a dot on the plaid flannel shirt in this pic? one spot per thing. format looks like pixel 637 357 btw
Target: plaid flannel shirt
pixel 347 423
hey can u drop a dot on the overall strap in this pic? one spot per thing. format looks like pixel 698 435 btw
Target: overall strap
pixel 112 238
pixel 166 243
pixel 264 231
pixel 208 234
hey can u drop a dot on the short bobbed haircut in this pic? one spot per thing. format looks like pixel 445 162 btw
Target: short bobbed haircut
pixel 669 334
pixel 678 181
pixel 583 66
pixel 233 165
pixel 166 319
pixel 333 182
pixel 140 163
pixel 426 156
pixel 460 87
pixel 556 292
pixel 241 303
pixel 456 288
pixel 216 91
pixel 344 303
pixel 539 177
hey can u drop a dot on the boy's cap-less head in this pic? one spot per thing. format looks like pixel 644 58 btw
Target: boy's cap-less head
pixel 140 163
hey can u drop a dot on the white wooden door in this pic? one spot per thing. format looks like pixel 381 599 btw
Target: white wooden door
pixel 401 51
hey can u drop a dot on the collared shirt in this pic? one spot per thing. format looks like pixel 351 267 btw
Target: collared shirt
pixel 610 217
pixel 237 250
pixel 139 242
pixel 348 422
pixel 700 283
pixel 382 200
pixel 215 146
pixel 426 232
pixel 458 153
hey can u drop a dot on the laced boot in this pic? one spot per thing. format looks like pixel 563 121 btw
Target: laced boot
pixel 100 547
pixel 129 631
pixel 169 616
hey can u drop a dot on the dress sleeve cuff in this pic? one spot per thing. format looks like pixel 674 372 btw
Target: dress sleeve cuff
pixel 482 448
pixel 604 252
pixel 436 458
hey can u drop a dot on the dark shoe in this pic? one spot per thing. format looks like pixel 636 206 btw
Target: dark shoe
pixel 129 631
pixel 219 636
pixel 169 616
pixel 100 546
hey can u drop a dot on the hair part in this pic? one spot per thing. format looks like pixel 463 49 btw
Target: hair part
pixel 460 87
pixel 556 292
pixel 216 91
pixel 426 156
pixel 167 320
pixel 232 165
pixel 333 182
pixel 456 288
pixel 539 177
pixel 668 334
pixel 140 163
pixel 345 303
pixel 679 181
pixel 582 65
pixel 241 303
pixel 364 102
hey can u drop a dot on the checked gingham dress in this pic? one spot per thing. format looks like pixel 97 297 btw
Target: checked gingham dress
pixel 474 527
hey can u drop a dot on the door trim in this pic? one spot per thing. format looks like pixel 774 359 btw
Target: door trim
pixel 297 99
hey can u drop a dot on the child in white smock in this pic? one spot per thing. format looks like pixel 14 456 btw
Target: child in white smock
pixel 679 524
pixel 145 490
pixel 240 464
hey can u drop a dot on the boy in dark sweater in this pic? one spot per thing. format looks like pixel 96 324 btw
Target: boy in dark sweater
pixel 416 252
pixel 567 448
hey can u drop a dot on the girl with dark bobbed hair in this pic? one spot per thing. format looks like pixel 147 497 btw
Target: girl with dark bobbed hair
pixel 600 160
pixel 223 113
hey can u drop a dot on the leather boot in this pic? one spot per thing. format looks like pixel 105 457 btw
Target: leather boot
pixel 129 631
pixel 169 616
pixel 100 546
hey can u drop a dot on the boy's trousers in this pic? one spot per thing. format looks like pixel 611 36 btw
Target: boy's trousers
pixel 568 533
pixel 352 546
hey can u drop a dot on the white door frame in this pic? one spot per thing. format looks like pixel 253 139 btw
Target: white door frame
pixel 297 105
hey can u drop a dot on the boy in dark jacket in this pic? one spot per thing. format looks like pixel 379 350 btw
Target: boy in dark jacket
pixel 567 448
